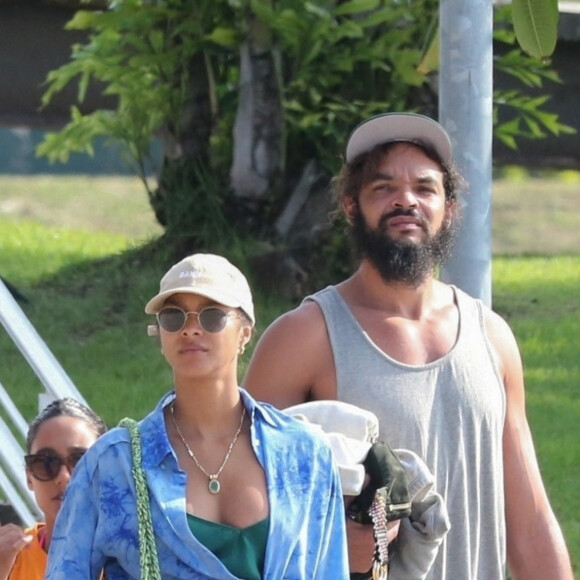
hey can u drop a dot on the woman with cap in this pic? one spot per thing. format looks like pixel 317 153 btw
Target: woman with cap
pixel 236 488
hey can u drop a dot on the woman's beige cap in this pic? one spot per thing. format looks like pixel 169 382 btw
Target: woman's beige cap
pixel 207 275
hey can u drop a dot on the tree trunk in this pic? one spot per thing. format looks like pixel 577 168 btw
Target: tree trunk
pixel 257 158
pixel 185 157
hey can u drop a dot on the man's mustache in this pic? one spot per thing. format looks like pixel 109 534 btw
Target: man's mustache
pixel 405 213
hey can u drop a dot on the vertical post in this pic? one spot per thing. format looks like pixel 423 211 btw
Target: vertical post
pixel 465 110
pixel 34 349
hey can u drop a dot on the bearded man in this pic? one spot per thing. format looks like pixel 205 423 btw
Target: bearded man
pixel 442 372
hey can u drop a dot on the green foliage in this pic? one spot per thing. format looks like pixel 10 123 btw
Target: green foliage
pixel 343 62
pixel 339 62
pixel 517 114
pixel 531 121
pixel 140 52
pixel 536 26
pixel 197 213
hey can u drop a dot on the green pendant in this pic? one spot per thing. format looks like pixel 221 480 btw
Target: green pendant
pixel 214 486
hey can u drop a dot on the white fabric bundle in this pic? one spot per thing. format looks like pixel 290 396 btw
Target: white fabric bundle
pixel 350 430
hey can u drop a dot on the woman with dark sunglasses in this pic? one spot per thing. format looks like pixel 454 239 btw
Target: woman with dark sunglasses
pixel 57 439
pixel 237 489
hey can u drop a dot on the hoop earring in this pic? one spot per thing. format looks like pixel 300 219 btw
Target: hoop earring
pixel 241 349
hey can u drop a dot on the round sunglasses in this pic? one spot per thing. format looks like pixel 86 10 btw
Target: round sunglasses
pixel 210 319
pixel 46 466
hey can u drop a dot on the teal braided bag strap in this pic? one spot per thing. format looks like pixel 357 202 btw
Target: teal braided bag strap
pixel 148 559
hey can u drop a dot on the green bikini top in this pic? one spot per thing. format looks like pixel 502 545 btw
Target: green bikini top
pixel 241 551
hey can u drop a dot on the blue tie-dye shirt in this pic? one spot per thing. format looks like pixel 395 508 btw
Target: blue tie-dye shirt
pixel 96 526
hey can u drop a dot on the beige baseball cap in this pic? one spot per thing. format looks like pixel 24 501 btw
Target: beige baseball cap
pixel 390 127
pixel 208 275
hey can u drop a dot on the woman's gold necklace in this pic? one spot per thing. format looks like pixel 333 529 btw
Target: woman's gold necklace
pixel 213 485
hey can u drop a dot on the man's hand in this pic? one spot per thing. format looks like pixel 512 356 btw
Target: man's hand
pixel 360 539
pixel 12 540
pixel 361 543
pixel 361 546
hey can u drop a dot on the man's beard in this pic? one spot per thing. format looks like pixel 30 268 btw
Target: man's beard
pixel 405 262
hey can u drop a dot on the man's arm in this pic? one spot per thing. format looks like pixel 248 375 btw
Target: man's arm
pixel 292 362
pixel 535 544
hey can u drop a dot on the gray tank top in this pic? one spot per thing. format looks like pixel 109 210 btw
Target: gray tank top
pixel 450 412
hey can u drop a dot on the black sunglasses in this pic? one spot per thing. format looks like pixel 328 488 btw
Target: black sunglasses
pixel 46 466
pixel 211 319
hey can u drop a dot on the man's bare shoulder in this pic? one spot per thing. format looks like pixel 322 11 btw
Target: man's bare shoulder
pixel 497 327
pixel 503 343
pixel 308 313
pixel 290 357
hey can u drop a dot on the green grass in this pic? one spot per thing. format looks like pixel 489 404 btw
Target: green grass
pixel 537 216
pixel 540 298
pixel 87 281
pixel 104 204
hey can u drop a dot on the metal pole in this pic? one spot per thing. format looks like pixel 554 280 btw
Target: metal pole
pixel 12 470
pixel 34 349
pixel 57 385
pixel 465 110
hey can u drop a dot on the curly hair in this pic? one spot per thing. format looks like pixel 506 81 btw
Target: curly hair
pixel 355 175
